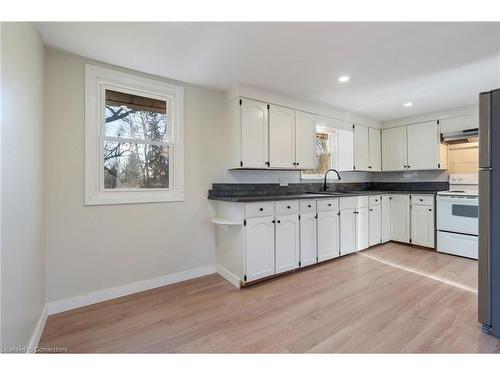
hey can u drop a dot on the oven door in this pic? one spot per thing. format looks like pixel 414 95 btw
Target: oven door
pixel 458 214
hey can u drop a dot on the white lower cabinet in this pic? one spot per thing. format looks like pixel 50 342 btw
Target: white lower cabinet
pixel 287 242
pixel 347 231
pixel 308 239
pixel 328 235
pixel 422 225
pixel 362 228
pixel 375 236
pixel 386 218
pixel 282 236
pixel 259 247
pixel 400 218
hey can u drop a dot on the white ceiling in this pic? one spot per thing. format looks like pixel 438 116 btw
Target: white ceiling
pixel 434 65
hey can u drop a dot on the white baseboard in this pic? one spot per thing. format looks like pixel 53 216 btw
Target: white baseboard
pixel 229 276
pixel 37 334
pixel 71 303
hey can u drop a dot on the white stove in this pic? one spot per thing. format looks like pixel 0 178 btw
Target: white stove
pixel 458 216
pixel 462 184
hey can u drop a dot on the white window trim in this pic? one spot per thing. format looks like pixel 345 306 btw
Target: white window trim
pixel 97 78
pixel 321 177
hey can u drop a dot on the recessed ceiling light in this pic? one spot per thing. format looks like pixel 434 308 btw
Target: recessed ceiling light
pixel 343 79
pixel 408 104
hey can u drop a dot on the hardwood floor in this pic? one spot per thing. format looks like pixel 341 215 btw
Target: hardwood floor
pixel 388 299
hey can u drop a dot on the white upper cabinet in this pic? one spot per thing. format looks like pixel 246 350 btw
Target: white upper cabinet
pixel 281 137
pixel 361 148
pixel 344 142
pixel 394 150
pixel 305 138
pixel 263 136
pixel 413 147
pixel 375 150
pixel 459 123
pixel 367 149
pixel 251 132
pixel 423 146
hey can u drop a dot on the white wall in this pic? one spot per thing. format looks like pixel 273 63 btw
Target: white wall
pixel 439 115
pixel 23 292
pixel 99 247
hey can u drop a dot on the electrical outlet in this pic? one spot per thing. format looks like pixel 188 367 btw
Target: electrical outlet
pixel 283 181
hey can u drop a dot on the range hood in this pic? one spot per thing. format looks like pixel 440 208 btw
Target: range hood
pixel 461 136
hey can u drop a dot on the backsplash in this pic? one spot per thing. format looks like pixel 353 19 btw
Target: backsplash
pixel 410 176
pixel 291 177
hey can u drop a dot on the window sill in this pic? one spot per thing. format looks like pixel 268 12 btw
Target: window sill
pixel 317 178
pixel 133 197
pixel 313 177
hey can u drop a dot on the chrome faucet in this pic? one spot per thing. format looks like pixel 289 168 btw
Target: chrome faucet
pixel 326 174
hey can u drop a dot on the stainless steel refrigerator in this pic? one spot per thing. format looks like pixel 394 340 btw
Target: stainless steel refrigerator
pixel 489 212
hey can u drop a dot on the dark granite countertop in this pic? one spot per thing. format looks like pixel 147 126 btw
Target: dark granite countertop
pixel 263 198
pixel 232 192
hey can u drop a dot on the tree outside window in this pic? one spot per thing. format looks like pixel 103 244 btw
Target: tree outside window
pixel 136 142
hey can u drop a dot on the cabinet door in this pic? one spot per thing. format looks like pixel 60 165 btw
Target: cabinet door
pixel 281 137
pixel 423 146
pixel 254 134
pixel 287 242
pixel 347 231
pixel 422 225
pixel 375 149
pixel 394 149
pixel 400 218
pixel 361 148
pixel 459 123
pixel 308 249
pixel 305 140
pixel 375 223
pixel 386 218
pixel 328 235
pixel 362 228
pixel 344 142
pixel 259 247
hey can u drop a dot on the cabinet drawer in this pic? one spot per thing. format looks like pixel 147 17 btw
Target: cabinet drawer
pixel 353 202
pixel 286 207
pixel 259 209
pixel 328 205
pixel 374 200
pixel 422 200
pixel 307 206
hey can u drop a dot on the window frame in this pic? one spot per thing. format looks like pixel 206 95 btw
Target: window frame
pixel 97 81
pixel 331 152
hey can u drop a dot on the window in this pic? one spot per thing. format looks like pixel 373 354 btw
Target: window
pixel 325 140
pixel 133 139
